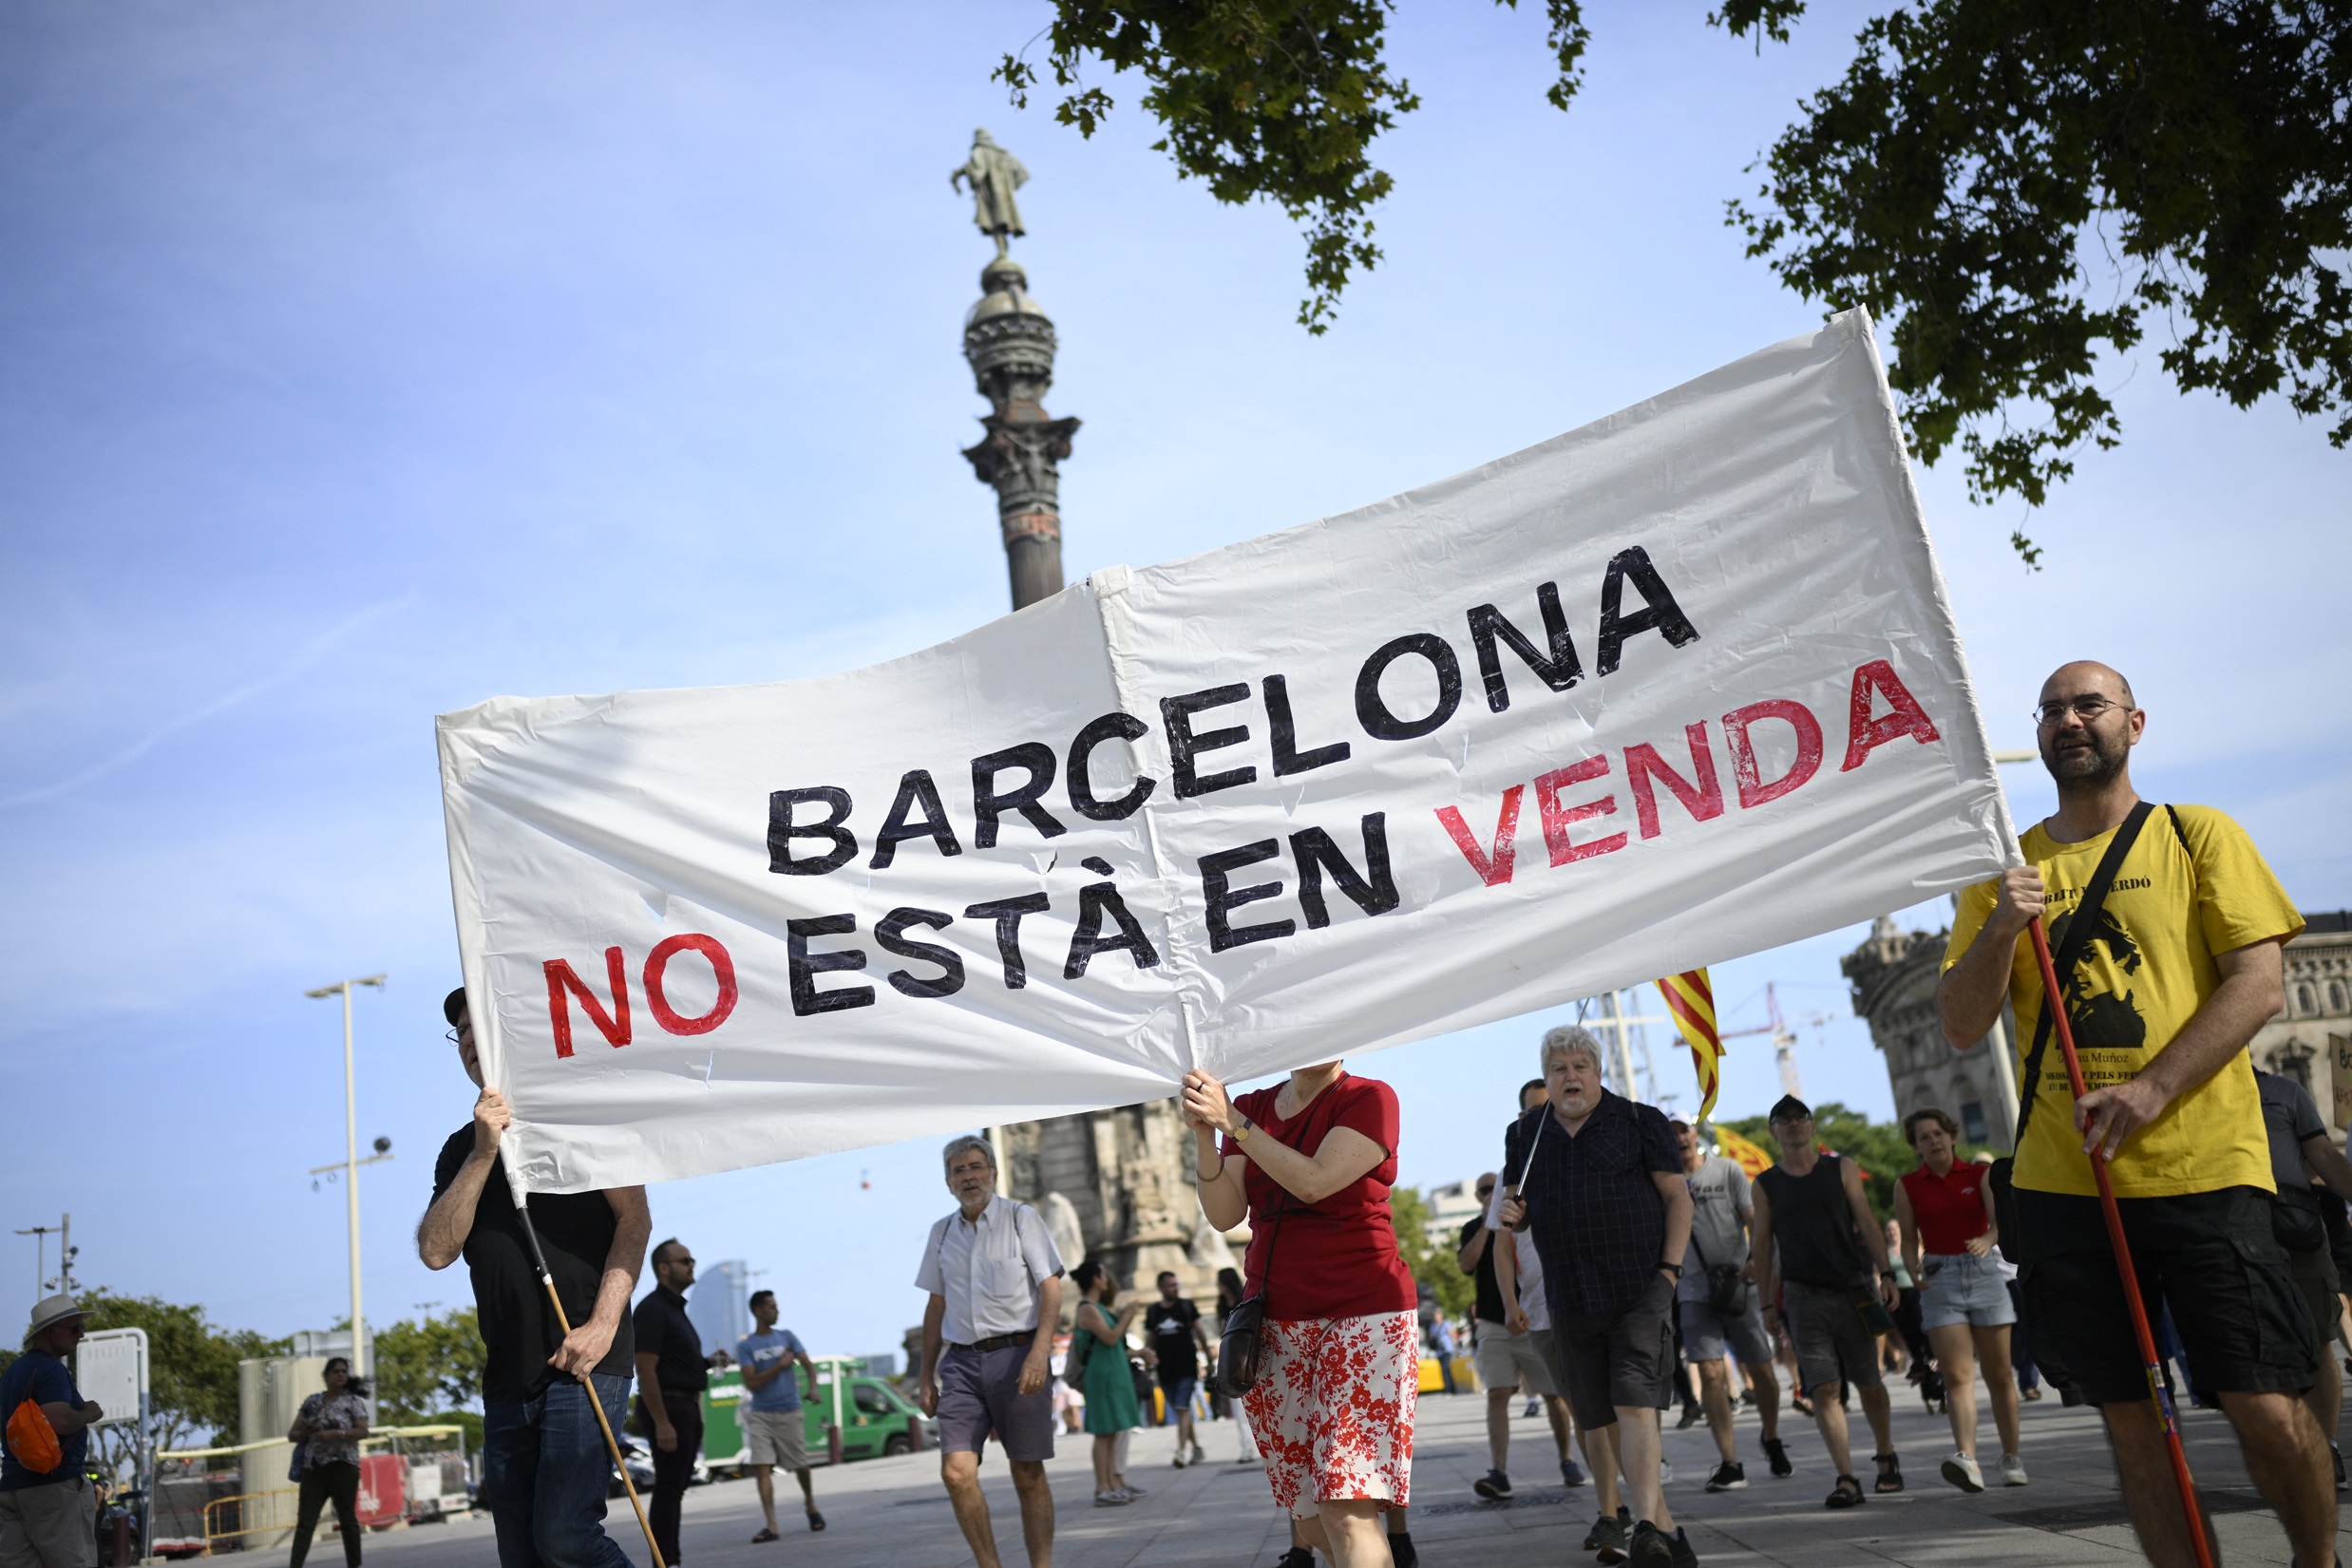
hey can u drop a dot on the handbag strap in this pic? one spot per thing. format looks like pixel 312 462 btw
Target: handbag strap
pixel 1267 1267
pixel 2079 928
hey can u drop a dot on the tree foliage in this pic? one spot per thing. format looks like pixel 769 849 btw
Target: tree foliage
pixel 1980 161
pixel 427 1368
pixel 1436 1266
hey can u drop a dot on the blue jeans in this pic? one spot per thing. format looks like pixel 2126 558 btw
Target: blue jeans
pixel 545 1469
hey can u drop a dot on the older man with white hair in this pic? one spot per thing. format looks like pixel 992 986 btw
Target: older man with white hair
pixel 996 1282
pixel 48 1514
pixel 1604 1199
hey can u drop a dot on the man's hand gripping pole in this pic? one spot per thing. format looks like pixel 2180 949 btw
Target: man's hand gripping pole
pixel 2166 1415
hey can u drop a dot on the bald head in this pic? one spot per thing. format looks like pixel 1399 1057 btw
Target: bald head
pixel 2084 677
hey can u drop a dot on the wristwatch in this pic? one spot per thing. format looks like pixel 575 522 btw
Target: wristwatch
pixel 1241 1134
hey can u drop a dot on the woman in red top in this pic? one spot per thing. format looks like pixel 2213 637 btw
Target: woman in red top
pixel 1945 1210
pixel 1310 1163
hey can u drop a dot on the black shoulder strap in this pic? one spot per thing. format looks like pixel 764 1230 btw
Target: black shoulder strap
pixel 2079 928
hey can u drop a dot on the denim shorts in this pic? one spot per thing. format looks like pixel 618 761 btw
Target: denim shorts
pixel 1960 1288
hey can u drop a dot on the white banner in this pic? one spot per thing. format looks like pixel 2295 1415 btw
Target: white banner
pixel 1675 687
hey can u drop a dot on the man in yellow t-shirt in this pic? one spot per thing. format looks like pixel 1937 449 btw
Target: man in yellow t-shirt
pixel 2185 964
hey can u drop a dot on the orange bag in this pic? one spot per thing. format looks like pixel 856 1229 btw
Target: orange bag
pixel 32 1442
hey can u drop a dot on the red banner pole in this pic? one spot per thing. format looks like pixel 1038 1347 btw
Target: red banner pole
pixel 2166 1415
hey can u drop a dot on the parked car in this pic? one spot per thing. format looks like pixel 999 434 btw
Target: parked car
pixel 640 1453
pixel 875 1418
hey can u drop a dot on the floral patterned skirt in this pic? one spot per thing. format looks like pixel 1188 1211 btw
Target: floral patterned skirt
pixel 1332 1409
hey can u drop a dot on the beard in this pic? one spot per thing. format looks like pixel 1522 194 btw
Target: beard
pixel 2091 766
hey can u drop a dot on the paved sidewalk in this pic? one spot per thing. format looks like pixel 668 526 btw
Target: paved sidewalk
pixel 890 1513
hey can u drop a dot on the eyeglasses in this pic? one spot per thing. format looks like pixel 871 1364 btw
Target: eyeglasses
pixel 2085 708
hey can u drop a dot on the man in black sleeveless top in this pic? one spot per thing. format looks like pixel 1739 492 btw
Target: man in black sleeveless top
pixel 1831 1261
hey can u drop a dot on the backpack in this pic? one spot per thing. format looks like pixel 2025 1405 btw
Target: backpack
pixel 32 1442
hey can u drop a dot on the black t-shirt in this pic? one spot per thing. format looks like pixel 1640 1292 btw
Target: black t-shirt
pixel 665 1332
pixel 1813 1225
pixel 1169 1326
pixel 1489 1293
pixel 518 1328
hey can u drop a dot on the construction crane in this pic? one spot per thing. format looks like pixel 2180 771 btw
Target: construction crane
pixel 1784 1038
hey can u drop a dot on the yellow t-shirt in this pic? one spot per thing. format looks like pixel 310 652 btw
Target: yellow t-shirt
pixel 2171 907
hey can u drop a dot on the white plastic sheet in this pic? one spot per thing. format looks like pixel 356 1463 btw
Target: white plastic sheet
pixel 1675 687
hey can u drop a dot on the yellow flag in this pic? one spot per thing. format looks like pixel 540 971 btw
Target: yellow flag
pixel 1752 1158
pixel 1691 999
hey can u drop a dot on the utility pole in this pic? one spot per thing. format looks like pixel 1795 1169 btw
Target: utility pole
pixel 62 1229
pixel 350 1161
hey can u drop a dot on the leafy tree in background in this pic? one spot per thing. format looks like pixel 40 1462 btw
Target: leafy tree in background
pixel 1878 1147
pixel 1980 161
pixel 428 1368
pixel 1434 1266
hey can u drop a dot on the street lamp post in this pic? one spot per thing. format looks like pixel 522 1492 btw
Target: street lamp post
pixel 351 1162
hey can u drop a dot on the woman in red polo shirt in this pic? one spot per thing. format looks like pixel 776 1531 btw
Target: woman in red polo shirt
pixel 1310 1161
pixel 1945 1210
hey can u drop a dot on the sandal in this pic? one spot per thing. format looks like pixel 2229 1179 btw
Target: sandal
pixel 1849 1494
pixel 1889 1473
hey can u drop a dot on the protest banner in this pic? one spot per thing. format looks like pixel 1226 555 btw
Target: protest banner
pixel 1675 687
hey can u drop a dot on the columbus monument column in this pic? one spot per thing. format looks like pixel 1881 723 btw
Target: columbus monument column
pixel 1114 1184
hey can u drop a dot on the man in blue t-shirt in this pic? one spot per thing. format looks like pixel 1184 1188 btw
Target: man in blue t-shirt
pixel 774 1430
pixel 49 1517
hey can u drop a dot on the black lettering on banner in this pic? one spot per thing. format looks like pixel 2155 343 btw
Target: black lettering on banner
pixel 781 830
pixel 1373 713
pixel 1184 746
pixel 1222 899
pixel 1288 759
pixel 806 966
pixel 1125 727
pixel 890 935
pixel 1095 900
pixel 1316 852
pixel 1007 912
pixel 1658 614
pixel 915 789
pixel 1558 669
pixel 987 805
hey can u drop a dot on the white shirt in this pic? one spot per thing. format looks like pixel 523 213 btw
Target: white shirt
pixel 1531 1266
pixel 989 1271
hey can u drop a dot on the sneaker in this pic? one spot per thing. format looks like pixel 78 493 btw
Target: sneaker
pixel 2013 1471
pixel 1198 1457
pixel 1535 1408
pixel 1665 1472
pixel 1692 1416
pixel 1961 1470
pixel 1132 1492
pixel 1111 1500
pixel 1571 1473
pixel 1179 1460
pixel 1494 1486
pixel 1728 1476
pixel 1685 1556
pixel 1652 1546
pixel 1776 1454
pixel 1608 1536
pixel 1249 1457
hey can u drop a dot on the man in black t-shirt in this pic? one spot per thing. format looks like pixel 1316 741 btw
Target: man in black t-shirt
pixel 545 1464
pixel 1172 1328
pixel 672 1373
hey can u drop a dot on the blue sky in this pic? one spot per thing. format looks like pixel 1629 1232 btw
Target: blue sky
pixel 364 362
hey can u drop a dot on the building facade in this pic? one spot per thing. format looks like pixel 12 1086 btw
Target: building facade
pixel 1893 975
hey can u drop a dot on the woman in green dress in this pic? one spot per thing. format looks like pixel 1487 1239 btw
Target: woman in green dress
pixel 1109 1387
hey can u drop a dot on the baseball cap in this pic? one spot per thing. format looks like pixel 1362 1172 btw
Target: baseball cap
pixel 453 1005
pixel 1790 1109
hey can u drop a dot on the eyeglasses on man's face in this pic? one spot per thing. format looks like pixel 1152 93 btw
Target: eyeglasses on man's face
pixel 2085 708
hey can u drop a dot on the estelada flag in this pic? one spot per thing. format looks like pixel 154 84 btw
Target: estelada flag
pixel 1752 1158
pixel 1691 999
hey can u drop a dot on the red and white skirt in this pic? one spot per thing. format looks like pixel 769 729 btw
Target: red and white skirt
pixel 1332 1409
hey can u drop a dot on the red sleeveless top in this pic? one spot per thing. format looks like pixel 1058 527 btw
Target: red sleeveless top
pixel 1951 1210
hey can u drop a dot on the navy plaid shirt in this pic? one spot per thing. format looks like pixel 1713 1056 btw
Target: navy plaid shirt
pixel 1597 1219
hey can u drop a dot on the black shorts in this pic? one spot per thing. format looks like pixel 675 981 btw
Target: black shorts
pixel 2209 1255
pixel 1621 1358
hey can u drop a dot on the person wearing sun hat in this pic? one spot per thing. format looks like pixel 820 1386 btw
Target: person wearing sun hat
pixel 49 1518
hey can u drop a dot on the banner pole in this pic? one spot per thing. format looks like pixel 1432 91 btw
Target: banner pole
pixel 2166 1415
pixel 611 1443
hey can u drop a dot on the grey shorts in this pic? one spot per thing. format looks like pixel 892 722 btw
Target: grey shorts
pixel 1831 1342
pixel 1619 1358
pixel 776 1437
pixel 980 1395
pixel 1955 1288
pixel 1706 1332
pixel 1505 1360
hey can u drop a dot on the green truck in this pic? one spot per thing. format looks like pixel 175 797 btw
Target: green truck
pixel 872 1417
